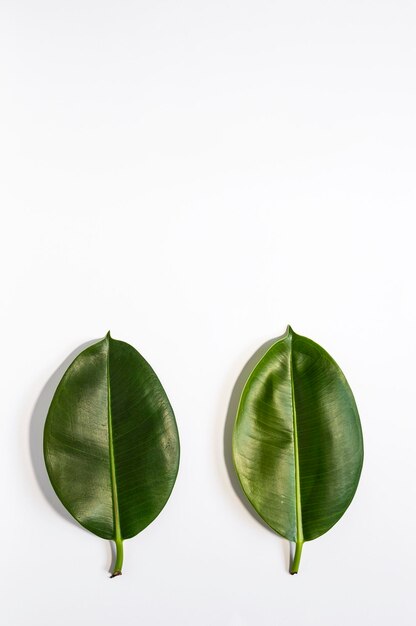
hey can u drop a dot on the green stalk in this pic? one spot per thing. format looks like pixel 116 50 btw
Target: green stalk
pixel 298 552
pixel 118 538
pixel 119 558
pixel 298 501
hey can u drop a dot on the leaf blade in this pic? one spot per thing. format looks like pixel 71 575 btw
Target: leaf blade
pixel 70 456
pixel 156 463
pixel 111 444
pixel 330 475
pixel 297 440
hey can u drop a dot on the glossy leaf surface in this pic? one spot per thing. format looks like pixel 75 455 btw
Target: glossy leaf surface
pixel 297 441
pixel 111 444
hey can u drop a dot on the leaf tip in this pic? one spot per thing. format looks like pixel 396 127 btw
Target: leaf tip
pixel 289 331
pixel 108 336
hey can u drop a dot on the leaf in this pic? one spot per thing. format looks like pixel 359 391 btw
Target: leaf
pixel 111 443
pixel 297 441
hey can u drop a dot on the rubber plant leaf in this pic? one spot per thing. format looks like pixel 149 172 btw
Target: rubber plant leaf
pixel 111 443
pixel 297 441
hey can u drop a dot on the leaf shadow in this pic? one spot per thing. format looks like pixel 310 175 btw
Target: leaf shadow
pixel 228 435
pixel 37 423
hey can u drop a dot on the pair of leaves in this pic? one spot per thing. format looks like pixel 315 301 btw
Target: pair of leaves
pixel 111 443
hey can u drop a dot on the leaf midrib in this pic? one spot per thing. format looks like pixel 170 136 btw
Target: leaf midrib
pixel 298 500
pixel 114 491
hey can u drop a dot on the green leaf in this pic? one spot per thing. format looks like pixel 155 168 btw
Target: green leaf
pixel 297 441
pixel 111 443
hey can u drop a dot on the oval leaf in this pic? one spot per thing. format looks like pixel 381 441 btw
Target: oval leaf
pixel 111 443
pixel 297 441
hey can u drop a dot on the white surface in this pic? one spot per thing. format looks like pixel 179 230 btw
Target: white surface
pixel 194 176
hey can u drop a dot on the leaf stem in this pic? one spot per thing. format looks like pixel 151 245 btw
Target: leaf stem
pixel 119 558
pixel 296 560
pixel 298 499
pixel 118 537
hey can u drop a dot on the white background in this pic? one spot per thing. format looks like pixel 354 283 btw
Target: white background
pixel 194 176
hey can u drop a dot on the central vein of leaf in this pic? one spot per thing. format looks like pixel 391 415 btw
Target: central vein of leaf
pixel 116 513
pixel 299 527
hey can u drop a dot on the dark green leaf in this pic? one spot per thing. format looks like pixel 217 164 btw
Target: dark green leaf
pixel 297 441
pixel 111 444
